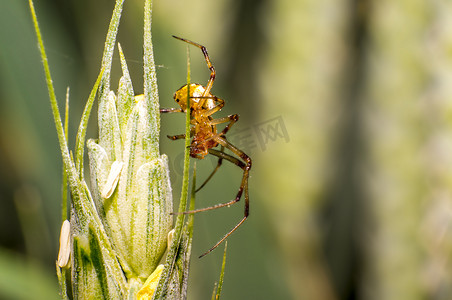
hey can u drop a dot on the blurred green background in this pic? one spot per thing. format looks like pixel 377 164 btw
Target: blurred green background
pixel 345 109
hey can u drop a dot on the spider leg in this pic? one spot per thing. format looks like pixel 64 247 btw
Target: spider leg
pixel 231 119
pixel 225 236
pixel 220 160
pixel 180 136
pixel 245 165
pixel 243 187
pixel 209 65
pixel 176 137
pixel 246 170
pixel 170 110
pixel 218 106
pixel 173 110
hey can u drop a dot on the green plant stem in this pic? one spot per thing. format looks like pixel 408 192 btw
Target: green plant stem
pixel 191 218
pixel 61 272
pixel 64 186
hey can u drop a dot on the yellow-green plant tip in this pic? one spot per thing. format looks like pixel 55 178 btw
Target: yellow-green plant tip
pixel 223 266
pixel 125 94
pixel 148 289
pixel 109 47
pixel 150 82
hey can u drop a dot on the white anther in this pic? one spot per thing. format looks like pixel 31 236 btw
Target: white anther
pixel 112 180
pixel 170 238
pixel 65 244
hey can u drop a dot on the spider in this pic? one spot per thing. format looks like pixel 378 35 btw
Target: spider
pixel 205 136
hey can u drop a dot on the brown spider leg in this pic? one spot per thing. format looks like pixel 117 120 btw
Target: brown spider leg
pixel 245 165
pixel 246 169
pixel 211 111
pixel 220 161
pixel 225 236
pixel 176 137
pixel 173 110
pixel 180 136
pixel 244 186
pixel 209 65
pixel 231 119
pixel 170 110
